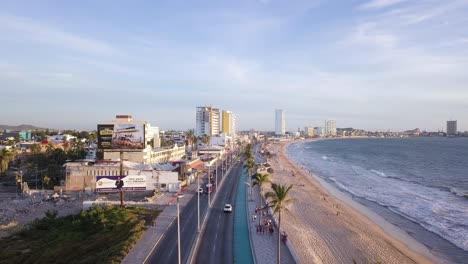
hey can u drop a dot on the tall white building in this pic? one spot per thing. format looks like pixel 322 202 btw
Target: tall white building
pixel 207 121
pixel 452 128
pixel 330 128
pixel 233 124
pixel 280 123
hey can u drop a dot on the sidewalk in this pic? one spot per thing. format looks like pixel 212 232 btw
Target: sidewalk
pixel 153 234
pixel 265 244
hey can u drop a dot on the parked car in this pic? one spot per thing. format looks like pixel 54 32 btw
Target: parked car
pixel 228 208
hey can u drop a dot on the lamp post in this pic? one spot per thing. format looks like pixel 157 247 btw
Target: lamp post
pixel 198 201
pixel 178 226
pixel 209 186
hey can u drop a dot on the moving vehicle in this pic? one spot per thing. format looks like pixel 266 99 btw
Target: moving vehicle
pixel 228 208
pixel 208 188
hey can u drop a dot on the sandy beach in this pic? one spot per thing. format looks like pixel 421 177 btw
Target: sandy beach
pixel 324 229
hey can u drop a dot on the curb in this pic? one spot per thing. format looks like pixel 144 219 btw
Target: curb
pixel 252 248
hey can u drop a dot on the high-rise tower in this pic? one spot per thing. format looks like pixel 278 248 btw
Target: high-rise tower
pixel 207 121
pixel 280 123
pixel 452 128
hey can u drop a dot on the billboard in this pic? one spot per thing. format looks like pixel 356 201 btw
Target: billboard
pixel 104 136
pixel 131 183
pixel 121 137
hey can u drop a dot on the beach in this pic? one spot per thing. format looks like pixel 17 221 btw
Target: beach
pixel 325 229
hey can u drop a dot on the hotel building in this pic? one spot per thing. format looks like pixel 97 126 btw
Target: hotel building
pixel 207 121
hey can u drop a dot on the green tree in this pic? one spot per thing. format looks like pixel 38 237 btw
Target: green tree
pixel 6 156
pixel 49 148
pixel 35 148
pixel 278 199
pixel 206 139
pixel 260 180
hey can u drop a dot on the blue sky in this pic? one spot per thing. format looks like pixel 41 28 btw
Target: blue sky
pixel 372 64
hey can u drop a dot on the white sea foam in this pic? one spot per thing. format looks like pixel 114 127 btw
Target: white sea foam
pixel 379 173
pixel 459 192
pixel 436 210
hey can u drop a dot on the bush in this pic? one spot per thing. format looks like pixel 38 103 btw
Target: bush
pixel 84 237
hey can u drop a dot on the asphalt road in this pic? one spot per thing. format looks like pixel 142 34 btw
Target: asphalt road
pixel 166 250
pixel 216 242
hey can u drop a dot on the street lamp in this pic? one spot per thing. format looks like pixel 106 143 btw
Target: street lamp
pixel 209 193
pixel 216 178
pixel 198 201
pixel 178 226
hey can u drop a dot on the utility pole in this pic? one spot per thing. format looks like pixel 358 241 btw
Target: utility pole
pixel 178 226
pixel 121 176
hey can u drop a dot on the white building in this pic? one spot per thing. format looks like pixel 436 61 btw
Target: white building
pixel 320 131
pixel 150 155
pixel 330 128
pixel 207 121
pixel 233 125
pixel 222 140
pixel 280 123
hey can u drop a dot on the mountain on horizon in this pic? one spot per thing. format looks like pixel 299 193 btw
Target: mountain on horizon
pixel 20 127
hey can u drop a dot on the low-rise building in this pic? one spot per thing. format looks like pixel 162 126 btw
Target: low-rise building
pixel 81 176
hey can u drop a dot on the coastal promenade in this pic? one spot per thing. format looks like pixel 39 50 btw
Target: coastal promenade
pixel 265 244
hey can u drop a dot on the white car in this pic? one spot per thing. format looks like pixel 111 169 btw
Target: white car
pixel 200 190
pixel 228 208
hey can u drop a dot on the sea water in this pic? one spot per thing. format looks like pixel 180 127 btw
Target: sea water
pixel 418 184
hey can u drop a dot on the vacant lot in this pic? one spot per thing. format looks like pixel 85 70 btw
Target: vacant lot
pixel 99 235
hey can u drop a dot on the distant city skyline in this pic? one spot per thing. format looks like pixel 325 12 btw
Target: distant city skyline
pixel 369 64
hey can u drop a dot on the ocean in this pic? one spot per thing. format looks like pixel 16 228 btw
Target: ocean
pixel 418 184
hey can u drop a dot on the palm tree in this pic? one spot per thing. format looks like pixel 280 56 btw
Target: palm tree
pixel 6 157
pixel 191 137
pixel 250 168
pixel 278 200
pixel 260 180
pixel 206 139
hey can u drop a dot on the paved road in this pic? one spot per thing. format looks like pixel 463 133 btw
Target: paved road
pixel 166 250
pixel 216 242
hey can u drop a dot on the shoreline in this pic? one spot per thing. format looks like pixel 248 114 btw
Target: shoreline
pixel 327 226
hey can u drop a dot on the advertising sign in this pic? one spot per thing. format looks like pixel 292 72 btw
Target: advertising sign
pixel 121 137
pixel 130 183
pixel 104 135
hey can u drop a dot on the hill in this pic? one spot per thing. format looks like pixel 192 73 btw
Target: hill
pixel 20 127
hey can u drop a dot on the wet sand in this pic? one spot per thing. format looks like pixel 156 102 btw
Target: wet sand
pixel 324 229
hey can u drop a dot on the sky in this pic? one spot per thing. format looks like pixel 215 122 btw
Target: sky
pixel 369 64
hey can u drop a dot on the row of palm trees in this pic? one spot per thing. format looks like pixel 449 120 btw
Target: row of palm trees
pixel 193 139
pixel 277 199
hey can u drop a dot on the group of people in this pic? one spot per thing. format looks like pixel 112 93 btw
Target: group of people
pixel 266 227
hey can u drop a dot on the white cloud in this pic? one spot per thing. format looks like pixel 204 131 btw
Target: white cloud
pixel 378 4
pixel 367 34
pixel 35 31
